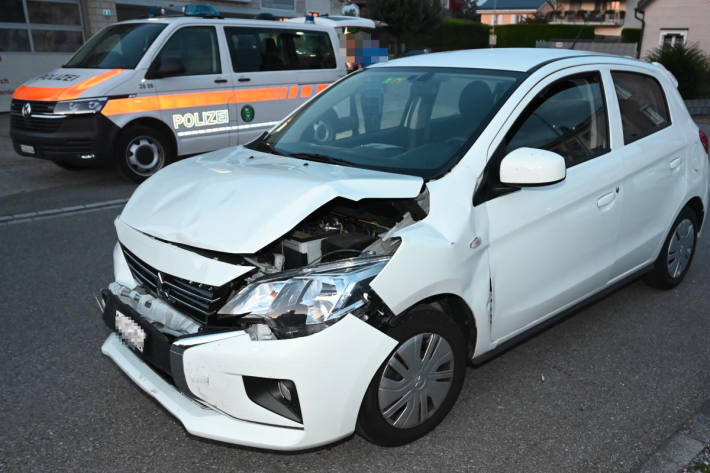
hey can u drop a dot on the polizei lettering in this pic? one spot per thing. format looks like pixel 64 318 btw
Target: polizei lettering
pixel 197 119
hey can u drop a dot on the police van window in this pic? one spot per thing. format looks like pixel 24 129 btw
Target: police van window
pixel 117 47
pixel 568 117
pixel 195 48
pixel 271 49
pixel 642 103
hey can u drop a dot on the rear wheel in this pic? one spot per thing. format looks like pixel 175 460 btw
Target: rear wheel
pixel 677 253
pixel 142 151
pixel 419 382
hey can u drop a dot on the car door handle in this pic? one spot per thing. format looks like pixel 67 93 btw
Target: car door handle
pixel 606 199
pixel 220 81
pixel 675 163
pixel 244 79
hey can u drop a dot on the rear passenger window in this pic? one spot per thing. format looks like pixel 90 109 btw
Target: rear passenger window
pixel 195 47
pixel 643 105
pixel 271 49
pixel 568 117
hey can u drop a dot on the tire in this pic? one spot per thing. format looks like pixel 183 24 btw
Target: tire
pixel 142 151
pixel 383 418
pixel 677 253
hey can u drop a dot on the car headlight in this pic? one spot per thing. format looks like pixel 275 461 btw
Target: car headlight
pixel 76 107
pixel 307 301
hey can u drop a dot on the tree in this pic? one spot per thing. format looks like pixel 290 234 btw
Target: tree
pixel 406 17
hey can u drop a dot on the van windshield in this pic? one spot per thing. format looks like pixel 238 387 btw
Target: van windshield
pixel 119 46
pixel 409 120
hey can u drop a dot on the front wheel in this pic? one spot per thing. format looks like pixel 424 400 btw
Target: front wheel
pixel 677 253
pixel 142 151
pixel 419 382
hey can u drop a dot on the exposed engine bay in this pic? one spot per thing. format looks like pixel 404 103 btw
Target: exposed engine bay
pixel 321 269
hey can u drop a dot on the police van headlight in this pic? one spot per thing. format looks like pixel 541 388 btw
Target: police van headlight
pixel 307 301
pixel 81 106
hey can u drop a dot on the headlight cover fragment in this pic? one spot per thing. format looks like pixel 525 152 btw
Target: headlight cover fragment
pixel 304 302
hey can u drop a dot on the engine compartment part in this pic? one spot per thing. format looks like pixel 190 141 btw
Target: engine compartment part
pixel 162 315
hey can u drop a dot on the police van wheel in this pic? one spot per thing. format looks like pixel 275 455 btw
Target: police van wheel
pixel 142 152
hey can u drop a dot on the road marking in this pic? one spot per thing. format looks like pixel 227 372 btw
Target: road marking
pixel 61 212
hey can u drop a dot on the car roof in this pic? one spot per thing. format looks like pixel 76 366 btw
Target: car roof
pixel 230 21
pixel 505 59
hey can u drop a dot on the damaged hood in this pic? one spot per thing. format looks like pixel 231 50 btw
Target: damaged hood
pixel 238 201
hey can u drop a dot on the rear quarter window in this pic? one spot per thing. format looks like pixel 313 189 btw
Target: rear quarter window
pixel 643 105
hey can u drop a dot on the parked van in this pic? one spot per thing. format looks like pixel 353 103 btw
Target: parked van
pixel 142 92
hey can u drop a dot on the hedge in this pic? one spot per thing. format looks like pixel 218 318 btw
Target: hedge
pixel 460 33
pixel 631 35
pixel 525 35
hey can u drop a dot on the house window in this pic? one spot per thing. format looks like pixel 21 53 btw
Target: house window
pixel 279 4
pixel 672 37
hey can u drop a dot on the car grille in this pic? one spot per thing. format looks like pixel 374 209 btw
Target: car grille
pixel 33 123
pixel 196 299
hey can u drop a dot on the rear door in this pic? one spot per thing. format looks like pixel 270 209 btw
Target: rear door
pixel 196 101
pixel 553 245
pixel 654 167
pixel 275 70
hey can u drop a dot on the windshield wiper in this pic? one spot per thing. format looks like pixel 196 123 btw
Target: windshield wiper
pixel 261 144
pixel 321 158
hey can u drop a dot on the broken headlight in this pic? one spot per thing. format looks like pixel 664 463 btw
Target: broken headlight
pixel 307 301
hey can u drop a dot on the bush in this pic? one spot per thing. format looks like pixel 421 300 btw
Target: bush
pixel 524 36
pixel 690 66
pixel 460 33
pixel 631 35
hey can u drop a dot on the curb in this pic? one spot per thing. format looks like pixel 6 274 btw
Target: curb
pixel 683 446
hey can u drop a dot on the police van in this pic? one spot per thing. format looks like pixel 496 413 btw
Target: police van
pixel 140 93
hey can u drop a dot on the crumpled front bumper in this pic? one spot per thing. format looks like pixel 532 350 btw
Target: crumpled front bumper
pixel 330 369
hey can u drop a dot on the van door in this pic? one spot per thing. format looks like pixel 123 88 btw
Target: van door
pixel 276 69
pixel 552 246
pixel 194 93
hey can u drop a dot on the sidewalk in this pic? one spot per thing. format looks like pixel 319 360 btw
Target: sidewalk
pixel 686 451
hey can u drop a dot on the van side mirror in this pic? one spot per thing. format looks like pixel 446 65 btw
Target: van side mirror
pixel 165 68
pixel 532 167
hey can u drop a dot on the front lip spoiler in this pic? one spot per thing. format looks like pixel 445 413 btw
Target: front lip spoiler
pixel 198 419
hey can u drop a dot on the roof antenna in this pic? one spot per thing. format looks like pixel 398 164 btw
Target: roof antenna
pixel 574 43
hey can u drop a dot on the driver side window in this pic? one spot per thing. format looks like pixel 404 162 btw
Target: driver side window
pixel 568 117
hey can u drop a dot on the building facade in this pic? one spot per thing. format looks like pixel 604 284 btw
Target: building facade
pixel 510 12
pixel 672 21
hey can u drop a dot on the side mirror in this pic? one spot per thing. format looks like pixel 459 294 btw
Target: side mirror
pixel 532 167
pixel 166 68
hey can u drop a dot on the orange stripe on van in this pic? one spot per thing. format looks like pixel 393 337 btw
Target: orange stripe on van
pixel 306 90
pixel 320 87
pixel 54 94
pixel 204 99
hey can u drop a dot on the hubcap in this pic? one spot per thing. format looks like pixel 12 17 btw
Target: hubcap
pixel 416 380
pixel 145 155
pixel 680 248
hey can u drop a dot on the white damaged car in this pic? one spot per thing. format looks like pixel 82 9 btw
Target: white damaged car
pixel 338 273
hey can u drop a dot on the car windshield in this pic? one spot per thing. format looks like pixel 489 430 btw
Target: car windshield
pixel 117 47
pixel 409 120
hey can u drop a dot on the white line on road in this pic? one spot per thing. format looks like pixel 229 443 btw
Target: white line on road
pixel 61 212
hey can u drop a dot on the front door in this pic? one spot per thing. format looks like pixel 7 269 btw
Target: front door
pixel 196 100
pixel 553 245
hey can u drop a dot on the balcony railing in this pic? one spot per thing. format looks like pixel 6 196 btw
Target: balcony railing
pixel 583 17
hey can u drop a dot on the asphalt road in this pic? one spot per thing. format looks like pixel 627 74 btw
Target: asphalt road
pixel 599 391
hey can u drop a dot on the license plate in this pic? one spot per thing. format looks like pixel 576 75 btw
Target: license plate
pixel 27 149
pixel 131 332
